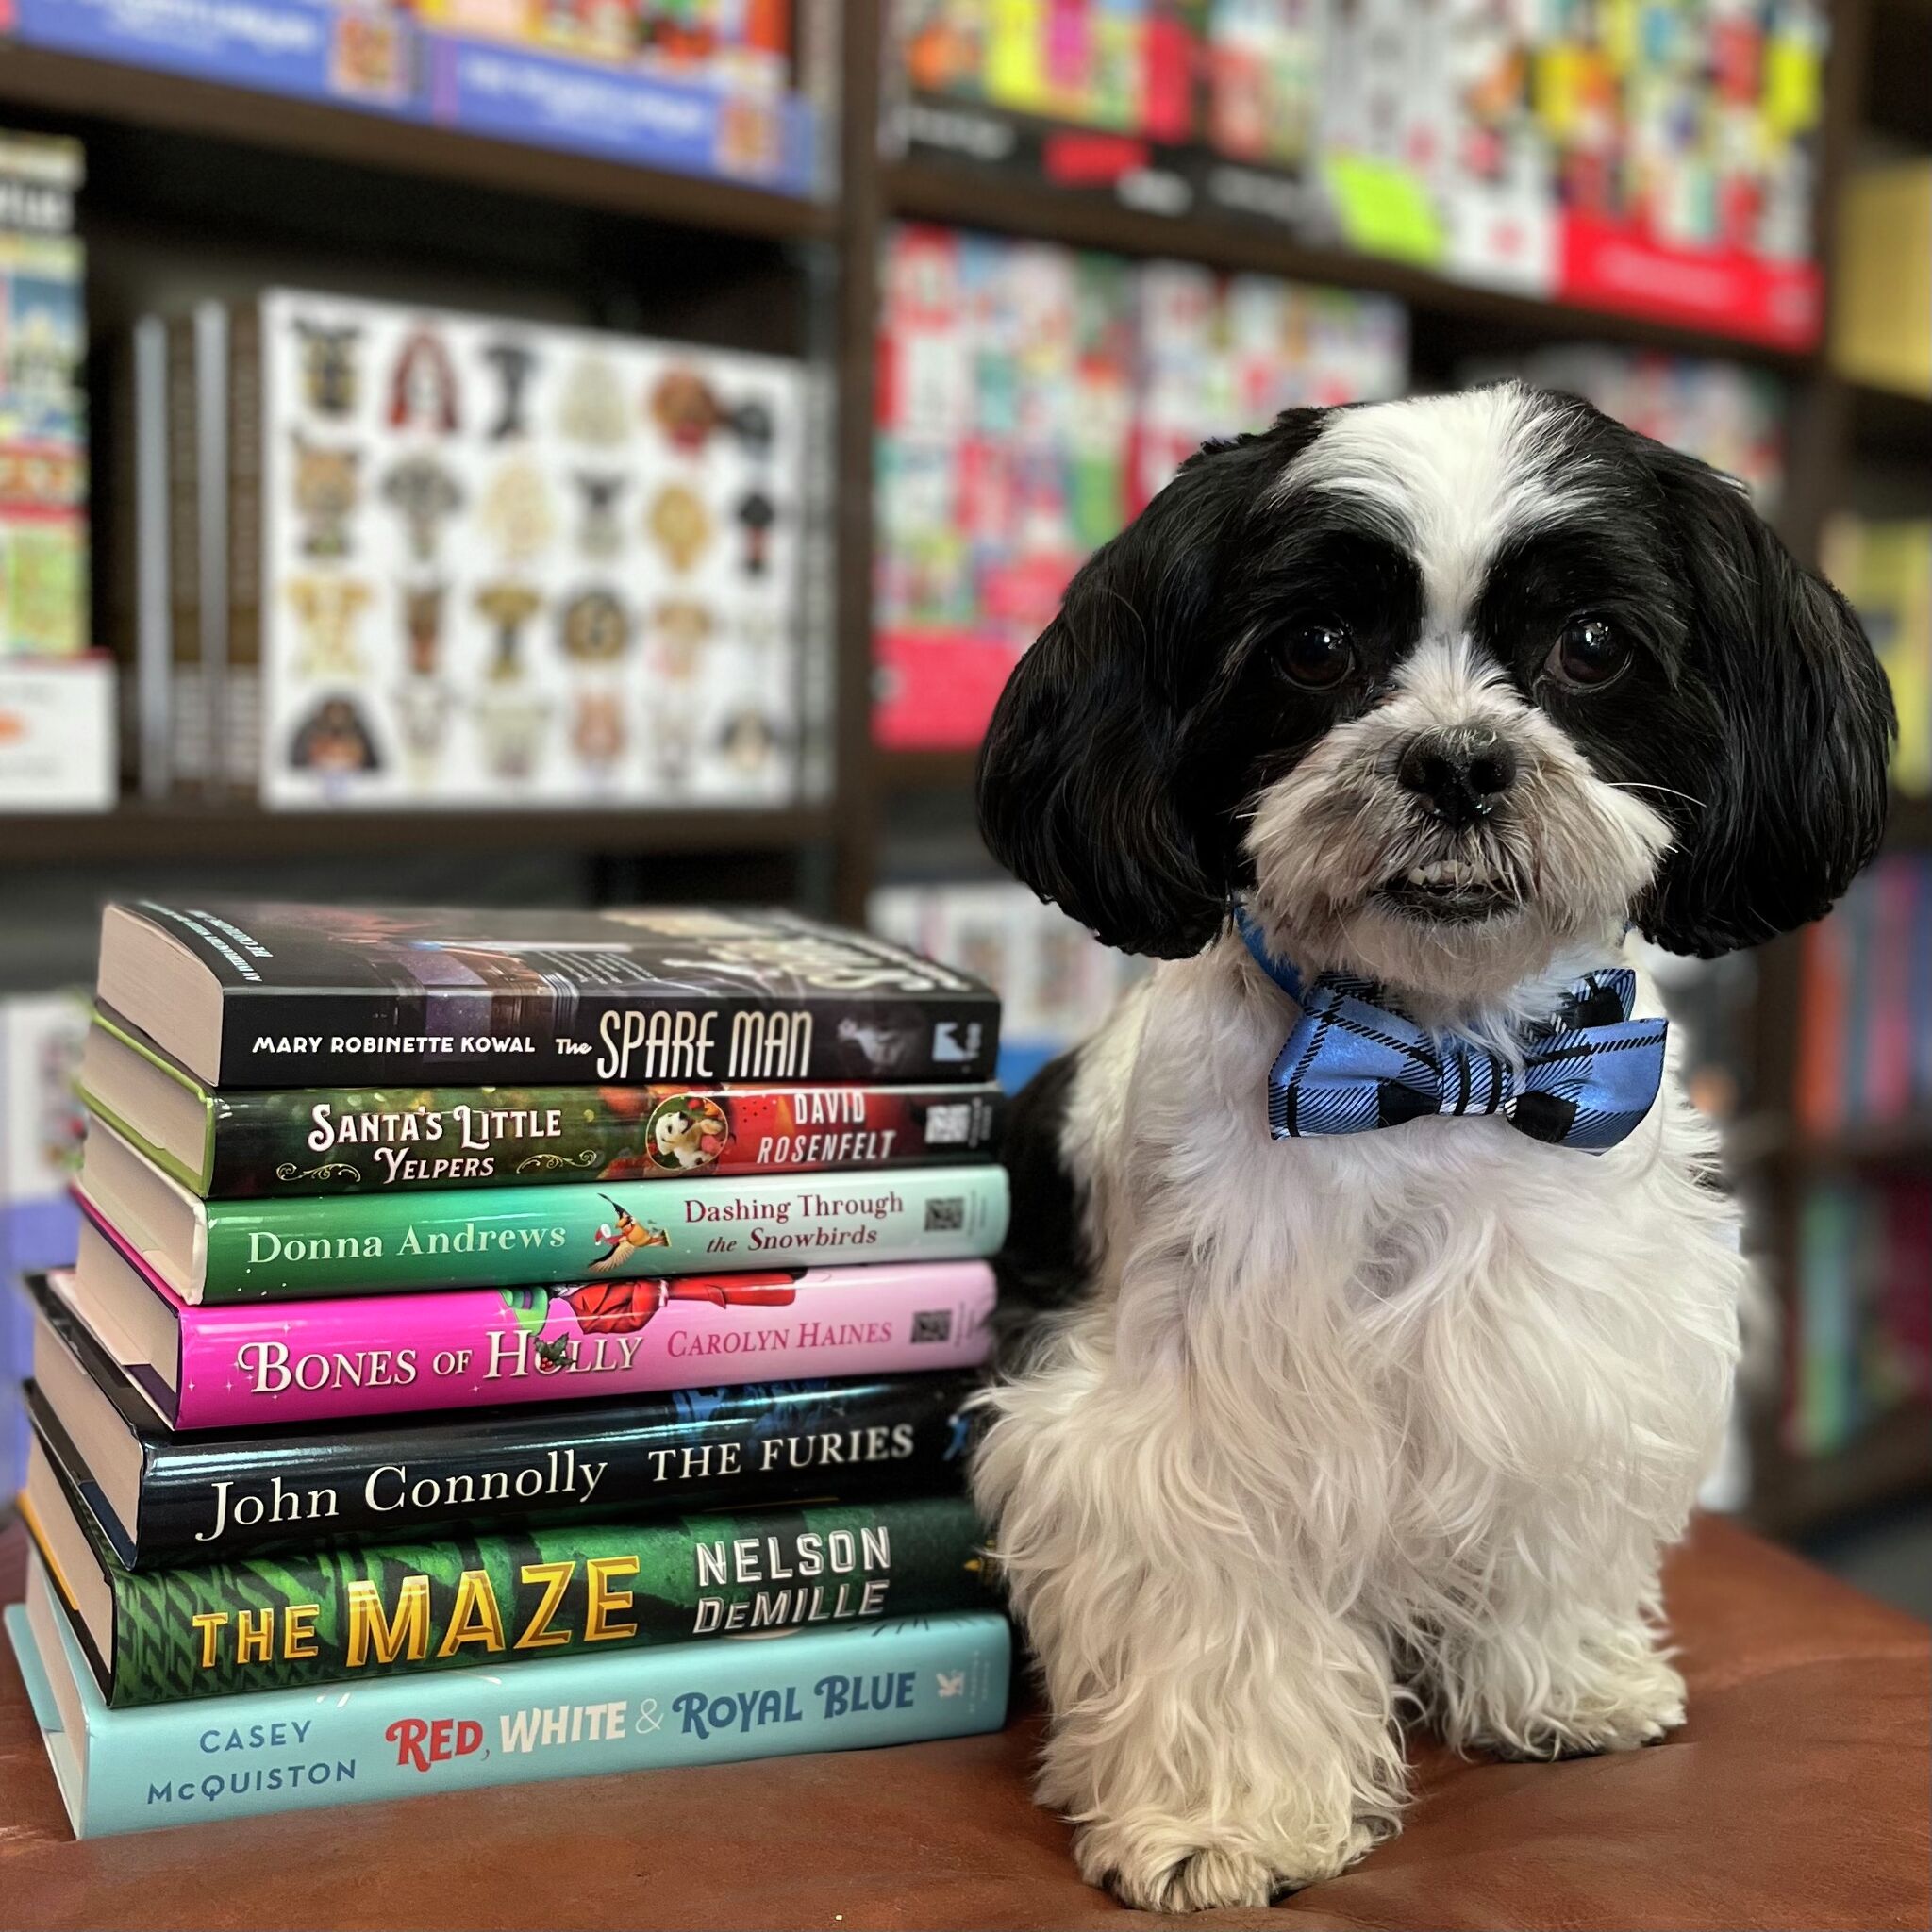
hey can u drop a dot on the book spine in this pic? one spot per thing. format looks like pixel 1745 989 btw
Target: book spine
pixel 154 671
pixel 468 1237
pixel 694 1449
pixel 345 1141
pixel 603 1035
pixel 336 1614
pixel 242 749
pixel 263 1363
pixel 646 1710
pixel 187 712
pixel 211 405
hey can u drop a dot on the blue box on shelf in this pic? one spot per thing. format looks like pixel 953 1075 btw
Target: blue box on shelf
pixel 380 63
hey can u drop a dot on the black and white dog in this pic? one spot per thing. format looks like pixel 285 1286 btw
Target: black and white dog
pixel 1394 1322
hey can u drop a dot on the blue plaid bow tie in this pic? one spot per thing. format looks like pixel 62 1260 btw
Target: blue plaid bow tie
pixel 1352 1064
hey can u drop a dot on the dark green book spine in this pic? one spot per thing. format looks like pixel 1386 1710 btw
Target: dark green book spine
pixel 370 1141
pixel 341 1615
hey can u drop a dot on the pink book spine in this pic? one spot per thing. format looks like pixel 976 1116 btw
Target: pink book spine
pixel 247 1364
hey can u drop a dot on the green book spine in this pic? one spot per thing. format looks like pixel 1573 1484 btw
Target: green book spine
pixel 499 1236
pixel 340 1614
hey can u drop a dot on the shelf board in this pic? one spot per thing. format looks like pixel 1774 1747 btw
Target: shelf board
pixel 926 771
pixel 983 198
pixel 70 83
pixel 1888 1463
pixel 1908 828
pixel 1865 1143
pixel 1890 423
pixel 142 833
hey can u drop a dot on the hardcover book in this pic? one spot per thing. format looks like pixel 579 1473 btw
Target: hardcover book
pixel 825 1690
pixel 163 1498
pixel 270 994
pixel 337 1613
pixel 250 1364
pixel 304 1247
pixel 353 1141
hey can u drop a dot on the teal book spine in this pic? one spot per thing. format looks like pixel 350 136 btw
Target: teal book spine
pixel 489 1238
pixel 125 1771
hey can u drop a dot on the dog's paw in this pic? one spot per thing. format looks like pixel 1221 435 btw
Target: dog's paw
pixel 1620 1710
pixel 1154 1880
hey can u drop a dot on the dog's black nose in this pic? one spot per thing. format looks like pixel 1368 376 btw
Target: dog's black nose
pixel 1461 774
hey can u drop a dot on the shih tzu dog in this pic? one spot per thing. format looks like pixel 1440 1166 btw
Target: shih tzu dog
pixel 1388 1314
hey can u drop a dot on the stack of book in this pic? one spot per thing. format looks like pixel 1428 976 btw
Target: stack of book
pixel 436 1273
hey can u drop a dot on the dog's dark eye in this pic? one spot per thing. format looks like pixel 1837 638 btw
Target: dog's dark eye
pixel 1317 657
pixel 1589 653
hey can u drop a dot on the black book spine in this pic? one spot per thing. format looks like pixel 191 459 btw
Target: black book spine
pixel 213 1498
pixel 284 1037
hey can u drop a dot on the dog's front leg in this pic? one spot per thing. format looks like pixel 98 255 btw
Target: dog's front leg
pixel 1217 1736
pixel 1563 1659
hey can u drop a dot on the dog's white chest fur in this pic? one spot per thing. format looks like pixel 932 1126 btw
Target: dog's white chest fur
pixel 1419 1322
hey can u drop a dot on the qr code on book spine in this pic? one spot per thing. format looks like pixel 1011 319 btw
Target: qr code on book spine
pixel 950 1125
pixel 947 1216
pixel 934 1324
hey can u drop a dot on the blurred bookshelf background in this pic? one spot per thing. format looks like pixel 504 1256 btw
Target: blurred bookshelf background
pixel 566 451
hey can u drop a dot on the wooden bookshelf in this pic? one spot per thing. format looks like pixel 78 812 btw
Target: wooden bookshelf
pixel 928 770
pixel 1886 1463
pixel 141 833
pixel 1891 424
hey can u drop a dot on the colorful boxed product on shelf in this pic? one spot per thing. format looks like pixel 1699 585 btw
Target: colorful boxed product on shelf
pixel 1722 413
pixel 1124 65
pixel 706 95
pixel 739 45
pixel 1005 402
pixel 478 561
pixel 43 522
pixel 1646 156
pixel 1030 399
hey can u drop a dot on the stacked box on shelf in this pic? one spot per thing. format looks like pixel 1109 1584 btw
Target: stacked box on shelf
pixel 399 557
pixel 1030 400
pixel 448 1359
pixel 57 698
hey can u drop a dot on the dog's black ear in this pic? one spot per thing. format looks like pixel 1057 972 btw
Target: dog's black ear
pixel 1082 791
pixel 1792 802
